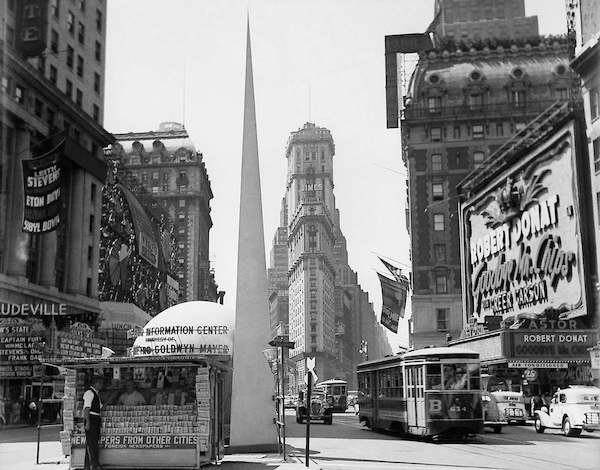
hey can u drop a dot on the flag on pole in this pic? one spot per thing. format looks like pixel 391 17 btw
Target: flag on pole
pixel 393 294
pixel 397 273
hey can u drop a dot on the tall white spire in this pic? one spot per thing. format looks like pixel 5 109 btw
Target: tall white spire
pixel 252 407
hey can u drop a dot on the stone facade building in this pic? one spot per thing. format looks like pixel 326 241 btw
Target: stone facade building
pixel 52 99
pixel 466 98
pixel 168 173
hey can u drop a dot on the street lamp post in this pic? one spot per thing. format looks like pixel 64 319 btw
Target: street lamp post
pixel 282 342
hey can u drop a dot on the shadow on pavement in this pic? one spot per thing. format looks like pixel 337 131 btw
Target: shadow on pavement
pixel 436 465
pixel 29 434
pixel 232 465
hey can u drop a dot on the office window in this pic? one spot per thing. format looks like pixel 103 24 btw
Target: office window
pixel 439 250
pixel 80 66
pixel 182 203
pixel 499 129
pixel 441 284
pixel 90 253
pixel 456 132
pixel 69 88
pixel 517 98
pixel 438 222
pixel 99 20
pixel 54 8
pixel 50 117
pixel 81 32
pixel 436 134
pixel 594 102
pixel 88 287
pixel 598 204
pixel 10 36
pixel 434 104
pixel 53 74
pixel 82 5
pixel 54 41
pixel 70 56
pixel 596 150
pixel 478 157
pixel 71 22
pixel 441 315
pixel 98 51
pixel 562 94
pixel 92 223
pixel 78 97
pixel 96 113
pixel 478 131
pixel 96 82
pixel 437 191
pixel 38 107
pixel 475 101
pixel 93 189
pixel 436 162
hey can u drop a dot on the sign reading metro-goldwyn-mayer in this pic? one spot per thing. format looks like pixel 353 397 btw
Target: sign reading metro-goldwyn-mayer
pixel 521 238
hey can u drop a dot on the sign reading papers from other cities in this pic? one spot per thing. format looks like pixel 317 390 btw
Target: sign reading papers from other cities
pixel 522 238
pixel 41 197
pixel 188 329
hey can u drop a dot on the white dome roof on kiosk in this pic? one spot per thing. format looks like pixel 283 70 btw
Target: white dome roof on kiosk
pixel 188 329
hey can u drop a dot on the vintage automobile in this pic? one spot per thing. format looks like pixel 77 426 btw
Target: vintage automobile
pixel 511 406
pixel 573 409
pixel 320 408
pixel 289 401
pixel 491 414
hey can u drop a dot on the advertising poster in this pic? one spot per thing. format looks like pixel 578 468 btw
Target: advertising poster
pixel 42 192
pixel 522 240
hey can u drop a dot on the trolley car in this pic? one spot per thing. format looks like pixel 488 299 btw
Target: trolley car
pixel 336 393
pixel 428 392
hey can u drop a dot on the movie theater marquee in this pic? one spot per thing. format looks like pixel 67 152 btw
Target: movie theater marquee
pixel 521 243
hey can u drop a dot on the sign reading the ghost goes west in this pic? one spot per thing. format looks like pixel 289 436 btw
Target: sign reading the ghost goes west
pixel 521 236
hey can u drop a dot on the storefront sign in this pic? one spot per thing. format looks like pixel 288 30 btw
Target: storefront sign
pixel 21 348
pixel 15 371
pixel 537 365
pixel 42 188
pixel 71 345
pixel 32 309
pixel 595 358
pixel 148 248
pixel 567 345
pixel 203 328
pixel 522 239
pixel 530 374
pixel 141 441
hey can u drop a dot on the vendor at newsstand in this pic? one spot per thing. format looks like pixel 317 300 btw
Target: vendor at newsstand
pixel 165 405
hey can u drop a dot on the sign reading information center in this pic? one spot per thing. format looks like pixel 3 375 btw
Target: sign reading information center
pixel 192 328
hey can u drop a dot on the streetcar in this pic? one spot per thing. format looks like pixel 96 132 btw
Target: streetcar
pixel 336 393
pixel 428 392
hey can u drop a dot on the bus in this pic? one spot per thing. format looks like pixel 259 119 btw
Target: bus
pixel 336 393
pixel 427 392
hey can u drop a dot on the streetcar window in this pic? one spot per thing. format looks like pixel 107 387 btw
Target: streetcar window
pixel 434 377
pixel 455 377
pixel 474 376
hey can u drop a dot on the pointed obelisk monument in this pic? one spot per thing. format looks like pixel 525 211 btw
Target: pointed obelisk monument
pixel 252 406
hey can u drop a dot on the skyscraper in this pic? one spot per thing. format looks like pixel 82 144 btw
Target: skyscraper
pixel 165 166
pixel 483 81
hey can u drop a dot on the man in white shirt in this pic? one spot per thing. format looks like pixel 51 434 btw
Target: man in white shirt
pixel 91 414
pixel 131 397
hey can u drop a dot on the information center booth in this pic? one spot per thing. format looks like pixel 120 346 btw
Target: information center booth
pixel 166 405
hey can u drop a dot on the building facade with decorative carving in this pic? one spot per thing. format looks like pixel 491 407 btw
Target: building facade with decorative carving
pixel 166 172
pixel 467 95
pixel 51 173
pixel 311 286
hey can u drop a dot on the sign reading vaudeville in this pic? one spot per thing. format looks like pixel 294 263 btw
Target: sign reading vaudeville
pixel 41 197
pixel 521 237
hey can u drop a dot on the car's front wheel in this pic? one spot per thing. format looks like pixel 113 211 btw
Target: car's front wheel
pixel 497 428
pixel 538 425
pixel 568 430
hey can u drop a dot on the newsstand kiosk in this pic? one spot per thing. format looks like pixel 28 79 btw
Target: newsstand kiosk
pixel 165 406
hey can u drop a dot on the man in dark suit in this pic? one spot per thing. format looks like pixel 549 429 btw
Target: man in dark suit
pixel 91 414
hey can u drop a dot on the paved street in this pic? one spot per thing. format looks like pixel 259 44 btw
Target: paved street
pixel 347 445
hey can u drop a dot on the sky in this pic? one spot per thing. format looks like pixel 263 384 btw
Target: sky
pixel 314 60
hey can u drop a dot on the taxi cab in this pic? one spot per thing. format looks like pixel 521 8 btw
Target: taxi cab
pixel 511 406
pixel 573 409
